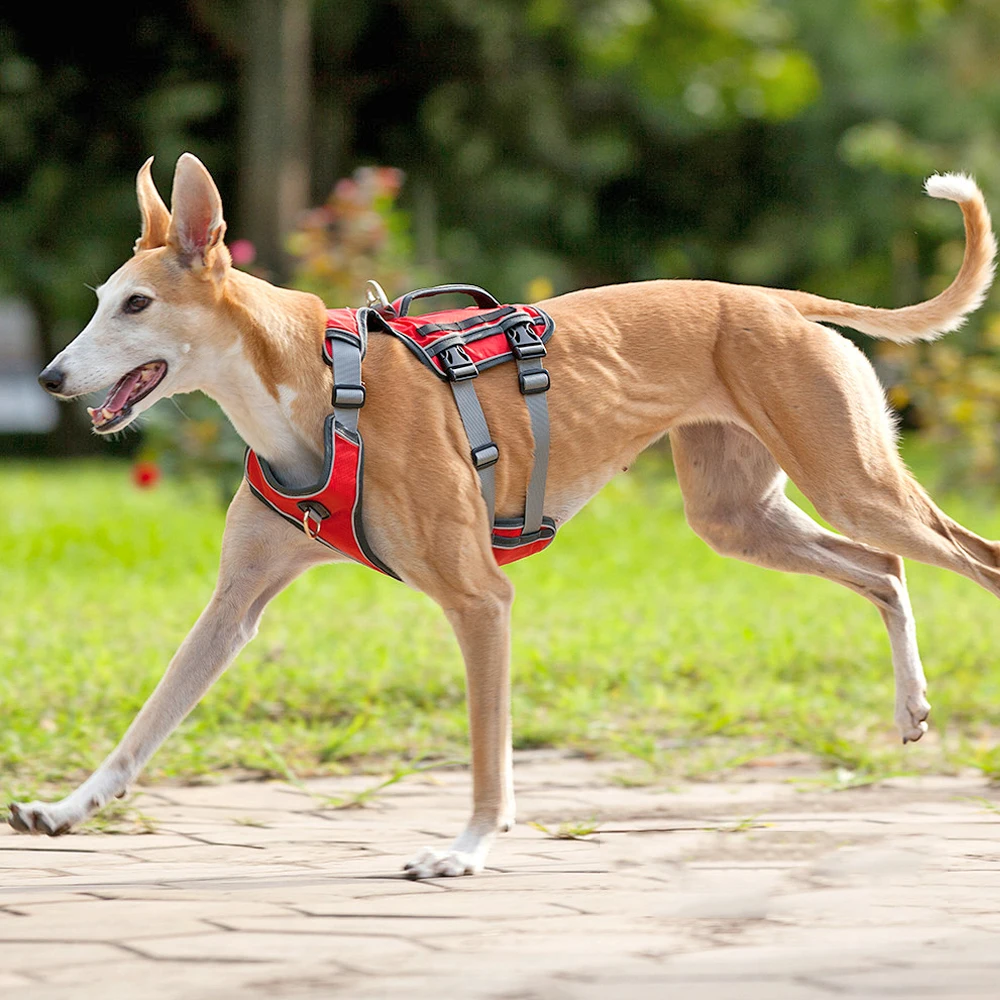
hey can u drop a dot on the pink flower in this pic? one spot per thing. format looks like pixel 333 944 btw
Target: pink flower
pixel 243 252
pixel 345 190
pixel 391 179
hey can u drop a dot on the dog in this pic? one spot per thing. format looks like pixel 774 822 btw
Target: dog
pixel 748 383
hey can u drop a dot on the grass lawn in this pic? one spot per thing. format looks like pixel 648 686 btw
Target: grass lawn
pixel 631 637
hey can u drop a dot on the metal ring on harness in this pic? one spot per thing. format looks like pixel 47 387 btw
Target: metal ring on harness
pixel 306 522
pixel 375 298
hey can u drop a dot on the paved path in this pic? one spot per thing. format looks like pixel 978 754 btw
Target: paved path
pixel 746 889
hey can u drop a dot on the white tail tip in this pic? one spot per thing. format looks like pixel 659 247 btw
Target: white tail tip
pixel 953 187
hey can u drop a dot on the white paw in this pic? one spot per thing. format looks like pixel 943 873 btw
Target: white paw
pixel 442 864
pixel 911 717
pixel 40 817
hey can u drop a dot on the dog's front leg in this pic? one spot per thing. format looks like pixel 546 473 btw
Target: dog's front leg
pixel 482 626
pixel 260 557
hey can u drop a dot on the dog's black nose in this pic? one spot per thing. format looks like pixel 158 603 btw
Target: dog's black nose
pixel 51 380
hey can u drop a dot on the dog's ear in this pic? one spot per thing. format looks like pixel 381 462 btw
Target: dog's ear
pixel 155 217
pixel 196 224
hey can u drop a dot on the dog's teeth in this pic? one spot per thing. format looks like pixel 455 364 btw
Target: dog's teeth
pixel 107 414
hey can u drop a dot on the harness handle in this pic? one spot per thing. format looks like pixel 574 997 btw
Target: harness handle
pixel 480 296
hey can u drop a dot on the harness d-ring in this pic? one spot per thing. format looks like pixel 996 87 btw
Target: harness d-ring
pixel 306 522
pixel 375 298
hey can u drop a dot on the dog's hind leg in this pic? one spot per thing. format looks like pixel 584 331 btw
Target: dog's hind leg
pixel 260 557
pixel 734 498
pixel 815 403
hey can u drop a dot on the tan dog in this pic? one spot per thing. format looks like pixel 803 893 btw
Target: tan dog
pixel 744 380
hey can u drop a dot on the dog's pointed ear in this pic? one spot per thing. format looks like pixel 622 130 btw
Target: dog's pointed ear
pixel 155 217
pixel 196 223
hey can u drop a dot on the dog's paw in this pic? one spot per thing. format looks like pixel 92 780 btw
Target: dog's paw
pixel 911 717
pixel 38 818
pixel 442 864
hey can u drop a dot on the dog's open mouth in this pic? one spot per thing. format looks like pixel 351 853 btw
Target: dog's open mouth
pixel 125 393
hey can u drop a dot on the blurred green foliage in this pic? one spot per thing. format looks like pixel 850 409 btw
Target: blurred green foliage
pixel 551 144
pixel 76 121
pixel 193 440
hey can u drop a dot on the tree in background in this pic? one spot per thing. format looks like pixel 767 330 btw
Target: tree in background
pixel 79 112
pixel 547 144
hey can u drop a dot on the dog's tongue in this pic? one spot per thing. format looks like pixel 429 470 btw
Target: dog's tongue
pixel 122 391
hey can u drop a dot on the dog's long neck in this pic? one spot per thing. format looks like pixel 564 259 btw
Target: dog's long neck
pixel 270 379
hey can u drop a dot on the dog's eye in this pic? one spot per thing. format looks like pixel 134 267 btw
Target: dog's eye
pixel 136 303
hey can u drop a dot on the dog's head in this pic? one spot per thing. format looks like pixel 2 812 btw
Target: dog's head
pixel 154 314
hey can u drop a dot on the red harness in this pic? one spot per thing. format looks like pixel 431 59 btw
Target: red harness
pixel 456 345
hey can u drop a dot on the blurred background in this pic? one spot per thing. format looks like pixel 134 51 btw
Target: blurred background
pixel 530 146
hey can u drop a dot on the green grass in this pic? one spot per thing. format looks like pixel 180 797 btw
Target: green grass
pixel 630 637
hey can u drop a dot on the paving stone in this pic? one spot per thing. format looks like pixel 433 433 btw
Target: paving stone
pixel 646 989
pixel 134 977
pixel 951 981
pixel 232 796
pixel 24 857
pixel 417 928
pixel 746 888
pixel 11 980
pixel 370 953
pixel 495 906
pixel 209 852
pixel 127 920
pixel 20 897
pixel 18 955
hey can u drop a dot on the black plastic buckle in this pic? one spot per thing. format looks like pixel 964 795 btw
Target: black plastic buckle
pixel 457 364
pixel 533 381
pixel 485 455
pixel 351 397
pixel 525 343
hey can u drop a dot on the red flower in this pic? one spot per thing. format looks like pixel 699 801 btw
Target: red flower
pixel 145 475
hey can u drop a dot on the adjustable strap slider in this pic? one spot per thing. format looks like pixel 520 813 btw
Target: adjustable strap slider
pixel 349 396
pixel 457 364
pixel 525 343
pixel 485 456
pixel 533 381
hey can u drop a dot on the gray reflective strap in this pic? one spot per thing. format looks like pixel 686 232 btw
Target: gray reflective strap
pixel 480 442
pixel 538 410
pixel 347 375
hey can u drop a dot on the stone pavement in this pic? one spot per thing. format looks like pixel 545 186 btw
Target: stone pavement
pixel 748 888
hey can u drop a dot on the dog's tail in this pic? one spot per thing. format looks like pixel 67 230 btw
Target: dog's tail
pixel 943 313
